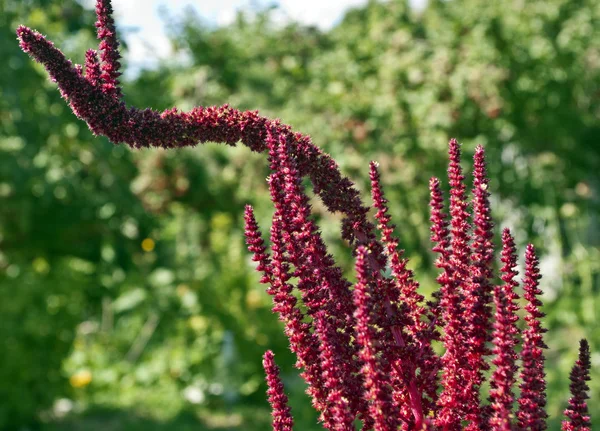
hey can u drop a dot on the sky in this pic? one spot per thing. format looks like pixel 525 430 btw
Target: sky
pixel 142 22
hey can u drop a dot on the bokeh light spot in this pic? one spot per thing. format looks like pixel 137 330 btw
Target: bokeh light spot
pixel 81 379
pixel 148 244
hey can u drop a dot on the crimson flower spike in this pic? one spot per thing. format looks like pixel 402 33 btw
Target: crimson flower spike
pixel 377 390
pixel 334 375
pixel 459 222
pixel 256 245
pixel 440 237
pixel 400 351
pixel 407 286
pixel 505 339
pixel 277 272
pixel 324 290
pixel 109 48
pixel 478 293
pixel 456 403
pixel 531 413
pixel 93 71
pixel 302 341
pixel 423 331
pixel 578 417
pixel 282 417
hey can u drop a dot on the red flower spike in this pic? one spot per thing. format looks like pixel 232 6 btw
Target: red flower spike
pixel 377 390
pixel 456 402
pixel 459 222
pixel 325 292
pixel 505 339
pixel 92 68
pixel 478 292
pixel 109 48
pixel 282 416
pixel 256 245
pixel 532 402
pixel 440 237
pixel 334 375
pixel 404 277
pixel 578 417
pixel 420 326
pixel 302 341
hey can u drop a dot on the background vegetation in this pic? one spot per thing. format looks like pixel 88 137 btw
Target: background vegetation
pixel 127 298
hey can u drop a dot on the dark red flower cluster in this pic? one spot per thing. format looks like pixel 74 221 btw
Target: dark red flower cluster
pixel 505 338
pixel 578 418
pixel 282 417
pixel 365 349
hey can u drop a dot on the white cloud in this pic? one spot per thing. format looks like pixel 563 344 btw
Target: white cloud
pixel 150 42
pixel 144 25
pixel 322 13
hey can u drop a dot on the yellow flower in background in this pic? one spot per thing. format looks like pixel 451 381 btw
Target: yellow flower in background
pixel 40 265
pixel 148 244
pixel 81 379
pixel 253 299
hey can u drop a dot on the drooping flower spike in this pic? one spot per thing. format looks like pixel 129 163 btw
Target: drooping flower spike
pixel 97 100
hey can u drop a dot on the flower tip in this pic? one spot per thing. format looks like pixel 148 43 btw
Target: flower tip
pixel 23 29
pixel 583 344
pixel 28 38
pixel 479 153
pixel 374 173
pixel 268 356
pixel 584 351
pixel 454 151
pixel 25 34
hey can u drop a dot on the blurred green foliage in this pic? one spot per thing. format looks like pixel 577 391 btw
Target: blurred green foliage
pixel 124 281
